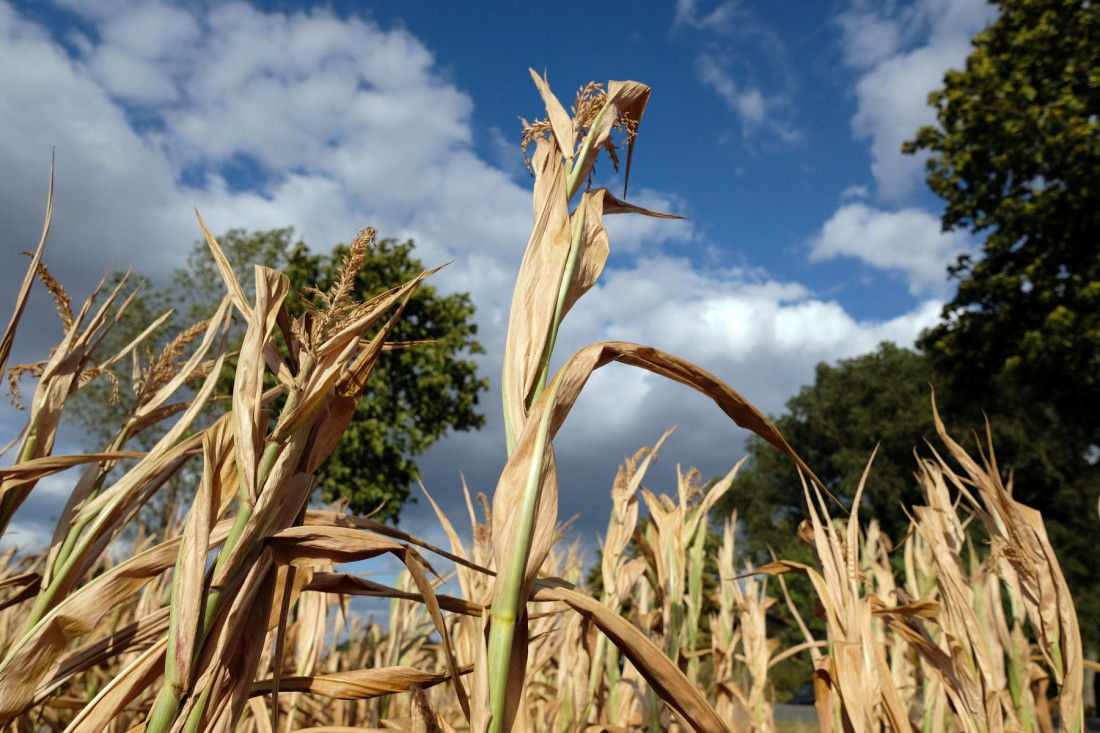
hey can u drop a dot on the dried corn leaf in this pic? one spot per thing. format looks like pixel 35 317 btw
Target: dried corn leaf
pixel 137 678
pixel 666 679
pixel 345 584
pixel 248 388
pixel 318 518
pixel 535 296
pixel 28 280
pixel 300 546
pixel 358 684
pixel 137 637
pixel 560 121
pixel 188 587
pixel 39 468
pixel 27 584
pixel 30 660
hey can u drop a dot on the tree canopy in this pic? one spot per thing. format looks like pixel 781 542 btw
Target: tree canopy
pixel 879 399
pixel 415 395
pixel 1014 156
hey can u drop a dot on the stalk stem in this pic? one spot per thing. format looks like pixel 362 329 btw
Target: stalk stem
pixel 505 607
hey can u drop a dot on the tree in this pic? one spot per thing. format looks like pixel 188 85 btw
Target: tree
pixel 1014 156
pixel 879 399
pixel 415 394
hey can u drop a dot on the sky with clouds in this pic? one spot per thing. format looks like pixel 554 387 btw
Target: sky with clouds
pixel 774 127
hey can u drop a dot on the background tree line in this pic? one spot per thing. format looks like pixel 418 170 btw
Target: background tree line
pixel 1014 155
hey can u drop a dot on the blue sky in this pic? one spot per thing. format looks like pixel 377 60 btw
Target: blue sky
pixel 774 127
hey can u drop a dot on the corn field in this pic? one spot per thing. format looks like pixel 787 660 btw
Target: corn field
pixel 236 618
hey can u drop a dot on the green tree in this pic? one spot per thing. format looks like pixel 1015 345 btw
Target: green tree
pixel 1014 156
pixel 879 399
pixel 416 393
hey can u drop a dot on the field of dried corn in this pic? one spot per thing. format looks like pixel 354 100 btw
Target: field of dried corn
pixel 236 617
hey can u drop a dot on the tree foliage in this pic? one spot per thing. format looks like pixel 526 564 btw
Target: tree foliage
pixel 1014 156
pixel 416 393
pixel 882 400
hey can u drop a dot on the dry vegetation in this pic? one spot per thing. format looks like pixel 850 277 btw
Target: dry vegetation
pixel 236 618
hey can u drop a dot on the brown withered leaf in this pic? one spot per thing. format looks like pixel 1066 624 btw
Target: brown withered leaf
pixel 626 98
pixel 352 585
pixel 594 244
pixel 188 589
pixel 27 585
pixel 358 684
pixel 28 280
pixel 612 205
pixel 535 296
pixel 233 286
pixel 136 637
pixel 137 678
pixel 662 674
pixel 307 545
pixel 248 381
pixel 315 517
pixel 79 614
pixel 560 121
pixel 38 468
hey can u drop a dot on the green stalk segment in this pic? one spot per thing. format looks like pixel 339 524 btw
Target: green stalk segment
pixel 505 605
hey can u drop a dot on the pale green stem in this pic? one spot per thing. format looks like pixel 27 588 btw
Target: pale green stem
pixel 240 524
pixel 507 602
pixel 165 707
pixel 559 307
pixel 245 516
pixel 105 468
pixel 193 720
pixel 582 156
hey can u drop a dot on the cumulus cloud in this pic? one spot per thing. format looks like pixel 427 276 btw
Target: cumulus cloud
pixel 731 321
pixel 901 53
pixel 908 241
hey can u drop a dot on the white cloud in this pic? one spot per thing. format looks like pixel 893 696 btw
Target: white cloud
pixel 909 241
pixel 721 18
pixel 753 109
pixel 896 76
pixel 732 321
pixel 855 191
pixel 724 32
pixel 869 37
